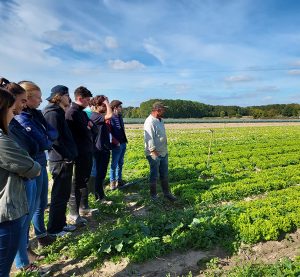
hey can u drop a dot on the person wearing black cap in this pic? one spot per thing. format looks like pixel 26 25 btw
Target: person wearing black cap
pixel 81 129
pixel 156 150
pixel 61 159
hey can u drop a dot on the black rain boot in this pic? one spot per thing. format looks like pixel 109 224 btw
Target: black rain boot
pixel 166 190
pixel 84 200
pixel 84 209
pixel 91 184
pixel 73 206
pixel 153 193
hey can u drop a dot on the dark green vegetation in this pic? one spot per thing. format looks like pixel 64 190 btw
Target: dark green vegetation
pixel 246 191
pixel 193 109
pixel 286 267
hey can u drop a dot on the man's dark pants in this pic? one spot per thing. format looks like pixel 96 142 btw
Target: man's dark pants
pixel 82 171
pixel 61 189
pixel 102 161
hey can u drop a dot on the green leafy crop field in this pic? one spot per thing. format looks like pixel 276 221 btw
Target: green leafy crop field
pixel 234 186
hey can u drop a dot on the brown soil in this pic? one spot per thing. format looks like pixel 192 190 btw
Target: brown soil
pixel 178 264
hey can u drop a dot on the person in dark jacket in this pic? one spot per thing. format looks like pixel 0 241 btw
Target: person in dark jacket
pixel 80 127
pixel 119 141
pixel 44 135
pixel 61 159
pixel 25 255
pixel 102 142
pixel 15 164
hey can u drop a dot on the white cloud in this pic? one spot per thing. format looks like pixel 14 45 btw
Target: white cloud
pixel 294 72
pixel 111 42
pixel 24 45
pixel 71 39
pixel 151 48
pixel 238 79
pixel 121 65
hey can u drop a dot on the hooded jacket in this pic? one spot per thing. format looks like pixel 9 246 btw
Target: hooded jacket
pixel 15 164
pixel 44 134
pixel 21 136
pixel 64 147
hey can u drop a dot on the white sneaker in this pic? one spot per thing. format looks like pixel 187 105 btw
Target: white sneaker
pixel 69 228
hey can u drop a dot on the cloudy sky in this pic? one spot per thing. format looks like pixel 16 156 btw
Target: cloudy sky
pixel 225 52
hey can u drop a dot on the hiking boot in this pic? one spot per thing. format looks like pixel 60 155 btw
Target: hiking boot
pixel 34 269
pixel 170 197
pixel 34 256
pixel 45 241
pixel 113 185
pixel 77 220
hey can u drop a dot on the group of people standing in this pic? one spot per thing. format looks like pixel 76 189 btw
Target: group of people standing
pixel 80 138
pixel 76 139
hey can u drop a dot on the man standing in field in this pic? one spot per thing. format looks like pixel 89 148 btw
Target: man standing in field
pixel 156 151
pixel 80 127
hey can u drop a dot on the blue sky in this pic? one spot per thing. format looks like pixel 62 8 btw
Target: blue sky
pixel 220 52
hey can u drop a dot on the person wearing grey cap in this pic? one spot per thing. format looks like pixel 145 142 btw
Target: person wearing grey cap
pixel 156 151
pixel 61 160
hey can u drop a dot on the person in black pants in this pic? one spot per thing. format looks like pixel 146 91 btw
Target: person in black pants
pixel 80 127
pixel 102 142
pixel 61 159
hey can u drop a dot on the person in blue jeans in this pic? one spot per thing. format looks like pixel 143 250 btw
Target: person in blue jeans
pixel 20 135
pixel 156 150
pixel 13 201
pixel 102 145
pixel 119 140
pixel 44 135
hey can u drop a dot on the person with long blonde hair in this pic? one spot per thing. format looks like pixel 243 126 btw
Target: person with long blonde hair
pixel 32 119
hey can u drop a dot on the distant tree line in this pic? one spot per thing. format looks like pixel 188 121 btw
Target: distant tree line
pixel 193 109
